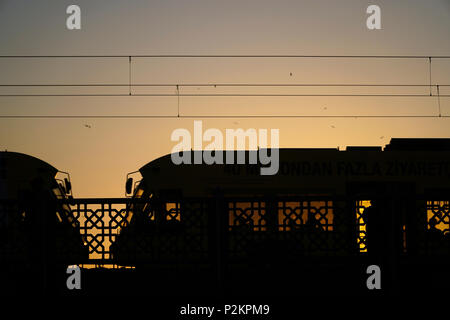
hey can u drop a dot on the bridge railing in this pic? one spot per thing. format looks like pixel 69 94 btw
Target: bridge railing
pixel 125 232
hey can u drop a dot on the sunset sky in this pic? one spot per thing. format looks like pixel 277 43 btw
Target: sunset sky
pixel 98 152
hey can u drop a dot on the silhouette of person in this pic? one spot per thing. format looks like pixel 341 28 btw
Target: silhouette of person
pixel 434 235
pixel 375 230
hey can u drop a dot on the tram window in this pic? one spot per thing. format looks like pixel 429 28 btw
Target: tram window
pixel 247 214
pixel 59 217
pixel 57 192
pixel 361 224
pixel 139 193
pixel 438 215
pixel 173 211
pixel 67 215
pixel 297 214
pixel 148 212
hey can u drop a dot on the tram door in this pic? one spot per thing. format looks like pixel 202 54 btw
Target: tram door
pixel 385 215
pixel 383 211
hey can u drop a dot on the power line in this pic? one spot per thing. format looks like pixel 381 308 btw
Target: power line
pixel 221 95
pixel 210 116
pixel 229 56
pixel 178 86
pixel 218 85
pixel 439 101
pixel 129 76
pixel 221 85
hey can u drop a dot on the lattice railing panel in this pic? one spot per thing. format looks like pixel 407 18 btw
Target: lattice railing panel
pixel 201 230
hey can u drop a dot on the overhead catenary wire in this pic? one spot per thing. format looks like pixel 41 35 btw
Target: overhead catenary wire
pixel 146 116
pixel 129 75
pixel 429 64
pixel 219 95
pixel 227 56
pixel 216 85
pixel 220 85
pixel 439 101
pixel 178 100
pixel 178 94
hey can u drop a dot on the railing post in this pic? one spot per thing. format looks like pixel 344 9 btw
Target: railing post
pixel 221 244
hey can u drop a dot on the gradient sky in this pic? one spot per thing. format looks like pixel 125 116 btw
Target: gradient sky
pixel 99 157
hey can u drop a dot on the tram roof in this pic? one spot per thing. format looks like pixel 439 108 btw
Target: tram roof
pixel 20 162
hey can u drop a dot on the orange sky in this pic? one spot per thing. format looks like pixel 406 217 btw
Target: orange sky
pixel 99 157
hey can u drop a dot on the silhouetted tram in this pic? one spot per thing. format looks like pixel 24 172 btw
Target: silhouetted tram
pixel 39 236
pixel 315 225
